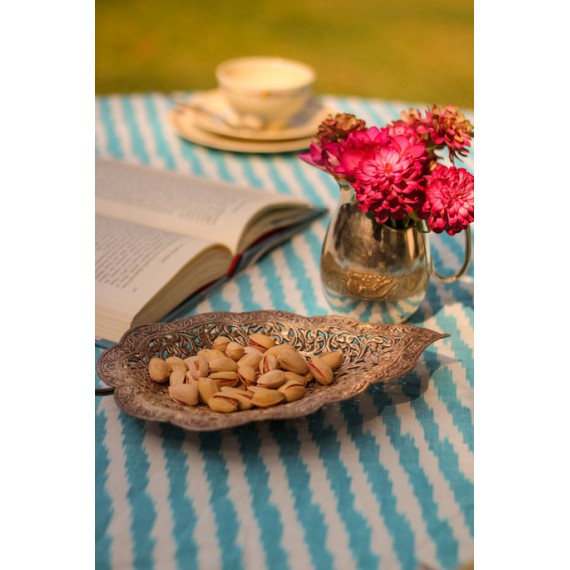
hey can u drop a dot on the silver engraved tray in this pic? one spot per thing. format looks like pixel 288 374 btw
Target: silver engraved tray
pixel 372 353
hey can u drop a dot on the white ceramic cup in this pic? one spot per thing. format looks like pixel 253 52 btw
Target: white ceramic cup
pixel 270 89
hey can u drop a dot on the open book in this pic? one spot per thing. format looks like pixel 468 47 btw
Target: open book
pixel 164 240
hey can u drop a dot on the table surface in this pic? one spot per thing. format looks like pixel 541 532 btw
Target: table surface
pixel 380 481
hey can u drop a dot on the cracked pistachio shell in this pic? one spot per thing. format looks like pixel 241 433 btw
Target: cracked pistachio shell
pixel 243 397
pixel 225 378
pixel 333 358
pixel 220 343
pixel 235 351
pixel 158 370
pixel 293 390
pixel 223 364
pixel 297 378
pixel 321 371
pixel 206 389
pixel 264 397
pixel 177 377
pixel 272 379
pixel 292 361
pixel 268 363
pixel 176 363
pixel 211 354
pixel 261 341
pixel 219 402
pixel 250 359
pixel 247 374
pixel 186 394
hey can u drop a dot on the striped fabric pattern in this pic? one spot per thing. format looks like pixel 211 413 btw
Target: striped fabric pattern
pixel 381 481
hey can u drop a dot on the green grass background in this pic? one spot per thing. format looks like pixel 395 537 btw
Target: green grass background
pixel 411 50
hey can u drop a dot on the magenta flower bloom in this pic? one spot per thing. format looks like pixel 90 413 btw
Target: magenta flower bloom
pixel 395 170
pixel 449 199
pixel 389 180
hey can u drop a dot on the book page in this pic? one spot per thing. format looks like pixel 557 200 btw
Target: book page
pixel 132 262
pixel 178 203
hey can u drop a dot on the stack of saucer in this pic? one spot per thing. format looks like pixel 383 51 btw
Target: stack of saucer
pixel 206 119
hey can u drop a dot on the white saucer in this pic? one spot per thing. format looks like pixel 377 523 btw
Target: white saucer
pixel 183 120
pixel 216 112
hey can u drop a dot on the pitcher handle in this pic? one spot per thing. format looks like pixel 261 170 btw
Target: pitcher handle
pixel 466 262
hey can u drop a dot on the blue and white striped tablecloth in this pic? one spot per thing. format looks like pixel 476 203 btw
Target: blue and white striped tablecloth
pixel 381 481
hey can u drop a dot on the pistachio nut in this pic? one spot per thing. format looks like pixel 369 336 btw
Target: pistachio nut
pixel 220 343
pixel 198 366
pixel 292 361
pixel 297 378
pixel 176 363
pixel 234 351
pixel 272 379
pixel 250 359
pixel 276 349
pixel 186 394
pixel 223 364
pixel 261 341
pixel 207 387
pixel 292 390
pixel 264 397
pixel 247 374
pixel 268 363
pixel 225 378
pixel 243 397
pixel 219 402
pixel 158 370
pixel 211 354
pixel 333 358
pixel 321 370
pixel 177 377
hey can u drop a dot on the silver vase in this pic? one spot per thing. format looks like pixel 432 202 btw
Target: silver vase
pixel 372 272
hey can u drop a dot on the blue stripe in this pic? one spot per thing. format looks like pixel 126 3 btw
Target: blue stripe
pixel 245 289
pixel 227 524
pixel 183 512
pixel 368 454
pixel 298 273
pixel 103 504
pixel 340 480
pixel 162 148
pixel 137 142
pixel 113 141
pixel 268 517
pixel 143 513
pixel 447 547
pixel 309 514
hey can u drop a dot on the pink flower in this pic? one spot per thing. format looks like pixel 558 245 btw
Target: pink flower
pixel 325 149
pixel 445 128
pixel 389 180
pixel 358 146
pixel 449 199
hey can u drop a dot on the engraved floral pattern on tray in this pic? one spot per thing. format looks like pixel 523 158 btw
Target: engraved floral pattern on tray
pixel 372 353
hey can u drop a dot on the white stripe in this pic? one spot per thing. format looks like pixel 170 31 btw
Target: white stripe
pixel 199 492
pixel 365 500
pixel 407 503
pixel 173 142
pixel 117 485
pixel 337 541
pixel 260 288
pixel 146 133
pixel 122 129
pixel 289 285
pixel 163 529
pixel 443 496
pixel 248 532
pixel 294 541
pixel 230 293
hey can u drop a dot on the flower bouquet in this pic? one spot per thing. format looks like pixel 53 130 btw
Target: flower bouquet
pixel 396 172
pixel 395 190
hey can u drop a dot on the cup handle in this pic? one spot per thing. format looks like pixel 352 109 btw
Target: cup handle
pixel 466 262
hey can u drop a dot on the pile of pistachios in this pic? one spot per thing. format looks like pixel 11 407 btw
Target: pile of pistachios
pixel 230 377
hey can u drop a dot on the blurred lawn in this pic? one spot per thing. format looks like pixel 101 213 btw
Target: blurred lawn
pixel 417 51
